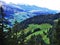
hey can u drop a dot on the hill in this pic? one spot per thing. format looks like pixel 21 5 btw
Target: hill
pixel 38 20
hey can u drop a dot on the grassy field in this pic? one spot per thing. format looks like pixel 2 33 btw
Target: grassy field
pixel 43 28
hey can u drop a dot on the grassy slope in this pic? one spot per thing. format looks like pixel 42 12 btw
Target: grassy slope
pixel 43 27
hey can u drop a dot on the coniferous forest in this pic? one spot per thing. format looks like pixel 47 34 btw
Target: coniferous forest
pixel 43 29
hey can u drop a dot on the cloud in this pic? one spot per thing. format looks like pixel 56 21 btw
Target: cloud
pixel 51 4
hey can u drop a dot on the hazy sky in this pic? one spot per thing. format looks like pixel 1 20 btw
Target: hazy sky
pixel 51 4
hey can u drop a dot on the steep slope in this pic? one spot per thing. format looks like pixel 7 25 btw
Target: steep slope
pixel 38 20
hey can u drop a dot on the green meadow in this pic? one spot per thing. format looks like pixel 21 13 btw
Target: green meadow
pixel 41 28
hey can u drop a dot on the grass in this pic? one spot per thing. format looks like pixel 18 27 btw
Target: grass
pixel 43 28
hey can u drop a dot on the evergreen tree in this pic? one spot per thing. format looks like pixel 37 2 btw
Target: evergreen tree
pixel 1 26
pixel 14 32
pixel 22 38
pixel 2 22
pixel 58 32
pixel 32 40
pixel 4 36
pixel 38 39
pixel 55 33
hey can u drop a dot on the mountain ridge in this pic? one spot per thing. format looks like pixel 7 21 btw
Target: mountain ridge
pixel 11 10
pixel 38 20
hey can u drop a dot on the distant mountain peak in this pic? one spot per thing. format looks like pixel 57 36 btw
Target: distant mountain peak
pixel 21 12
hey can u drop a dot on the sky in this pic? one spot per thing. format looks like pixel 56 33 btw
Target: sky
pixel 51 4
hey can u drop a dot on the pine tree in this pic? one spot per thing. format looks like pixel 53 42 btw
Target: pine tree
pixel 1 24
pixel 14 32
pixel 58 32
pixel 55 40
pixel 31 41
pixel 38 39
pixel 22 38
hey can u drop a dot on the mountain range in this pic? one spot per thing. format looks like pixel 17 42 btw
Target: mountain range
pixel 21 12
